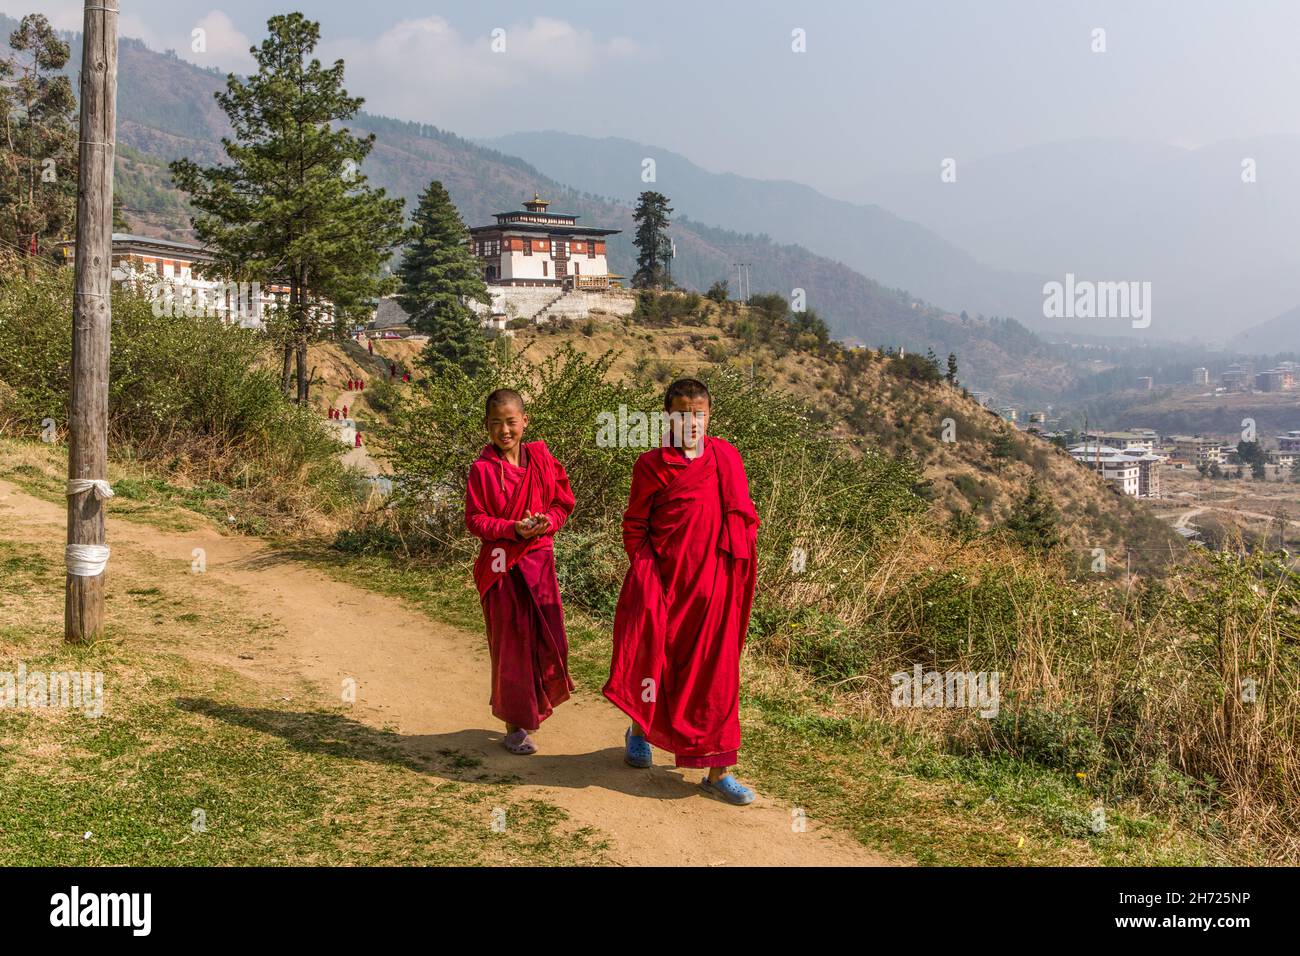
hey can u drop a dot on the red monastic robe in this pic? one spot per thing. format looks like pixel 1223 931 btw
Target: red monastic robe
pixel 516 581
pixel 690 531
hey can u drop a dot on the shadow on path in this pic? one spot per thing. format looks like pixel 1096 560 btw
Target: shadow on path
pixel 465 756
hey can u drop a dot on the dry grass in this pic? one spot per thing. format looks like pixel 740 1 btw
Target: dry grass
pixel 1139 689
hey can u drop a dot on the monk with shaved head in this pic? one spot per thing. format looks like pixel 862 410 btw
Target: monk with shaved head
pixel 516 499
pixel 690 532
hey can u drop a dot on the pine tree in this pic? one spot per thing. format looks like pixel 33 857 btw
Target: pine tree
pixel 952 369
pixel 1003 445
pixel 964 525
pixel 120 222
pixel 1033 521
pixel 438 274
pixel 652 241
pixel 38 155
pixel 292 205
pixel 1252 453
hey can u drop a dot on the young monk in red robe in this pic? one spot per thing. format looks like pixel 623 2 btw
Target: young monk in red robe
pixel 516 498
pixel 690 531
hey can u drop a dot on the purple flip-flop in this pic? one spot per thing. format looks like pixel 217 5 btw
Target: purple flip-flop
pixel 518 742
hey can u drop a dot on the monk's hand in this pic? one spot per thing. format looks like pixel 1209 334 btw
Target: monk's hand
pixel 531 526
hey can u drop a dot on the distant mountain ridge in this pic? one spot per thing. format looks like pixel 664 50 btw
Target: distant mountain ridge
pixel 1278 334
pixel 1212 228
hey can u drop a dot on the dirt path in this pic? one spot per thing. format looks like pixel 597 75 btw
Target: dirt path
pixel 428 682
pixel 338 362
pixel 1187 516
pixel 352 455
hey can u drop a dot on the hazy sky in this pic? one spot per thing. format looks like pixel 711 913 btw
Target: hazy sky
pixel 883 87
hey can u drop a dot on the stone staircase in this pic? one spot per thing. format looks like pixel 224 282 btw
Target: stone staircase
pixel 574 297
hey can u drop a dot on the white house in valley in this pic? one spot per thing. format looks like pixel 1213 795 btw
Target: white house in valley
pixel 1133 472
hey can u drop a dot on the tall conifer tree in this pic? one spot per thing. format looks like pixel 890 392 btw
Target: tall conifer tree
pixel 439 276
pixel 652 242
pixel 292 205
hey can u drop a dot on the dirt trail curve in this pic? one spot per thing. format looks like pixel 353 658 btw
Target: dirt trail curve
pixel 428 681
pixel 1187 516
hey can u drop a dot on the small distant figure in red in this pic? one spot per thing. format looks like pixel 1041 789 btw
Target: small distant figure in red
pixel 345 411
pixel 358 445
pixel 406 376
pixel 370 344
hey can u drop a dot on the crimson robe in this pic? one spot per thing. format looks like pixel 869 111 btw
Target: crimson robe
pixel 516 581
pixel 690 532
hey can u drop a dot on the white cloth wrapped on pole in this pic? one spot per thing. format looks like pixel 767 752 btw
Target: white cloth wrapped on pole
pixel 77 485
pixel 86 560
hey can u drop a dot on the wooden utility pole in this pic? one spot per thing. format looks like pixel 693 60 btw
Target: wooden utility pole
pixel 83 611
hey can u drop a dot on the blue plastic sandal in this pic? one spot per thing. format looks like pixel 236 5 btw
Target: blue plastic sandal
pixel 728 788
pixel 637 751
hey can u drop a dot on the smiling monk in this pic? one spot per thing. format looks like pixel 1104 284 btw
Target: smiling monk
pixel 516 499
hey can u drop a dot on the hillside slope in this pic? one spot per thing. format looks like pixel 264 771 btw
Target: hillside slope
pixel 864 400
